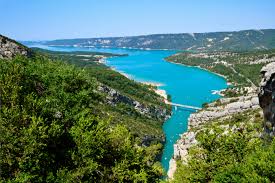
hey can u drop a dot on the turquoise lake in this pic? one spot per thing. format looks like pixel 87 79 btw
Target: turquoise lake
pixel 186 85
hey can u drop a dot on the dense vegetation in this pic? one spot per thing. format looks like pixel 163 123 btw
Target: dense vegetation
pixel 55 127
pixel 107 76
pixel 233 154
pixel 138 91
pixel 213 41
pixel 80 58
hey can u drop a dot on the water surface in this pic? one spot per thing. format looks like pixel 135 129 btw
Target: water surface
pixel 186 85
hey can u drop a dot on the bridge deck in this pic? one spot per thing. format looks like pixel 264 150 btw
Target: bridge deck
pixel 184 106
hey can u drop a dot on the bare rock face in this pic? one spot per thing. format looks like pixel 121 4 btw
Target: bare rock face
pixel 267 97
pixel 227 108
pixel 114 98
pixel 10 48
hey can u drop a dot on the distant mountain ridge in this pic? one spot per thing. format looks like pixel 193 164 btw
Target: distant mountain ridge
pixel 213 41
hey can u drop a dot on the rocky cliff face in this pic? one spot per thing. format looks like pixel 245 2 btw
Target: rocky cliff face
pixel 114 98
pixel 10 48
pixel 225 108
pixel 267 97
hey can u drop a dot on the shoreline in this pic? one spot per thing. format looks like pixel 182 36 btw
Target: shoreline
pixel 102 60
pixel 199 67
pixel 172 162
pixel 158 91
pixel 130 48
pixel 162 93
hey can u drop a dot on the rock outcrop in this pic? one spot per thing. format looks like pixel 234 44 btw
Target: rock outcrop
pixel 151 111
pixel 267 97
pixel 227 107
pixel 181 147
pixel 187 140
pixel 10 48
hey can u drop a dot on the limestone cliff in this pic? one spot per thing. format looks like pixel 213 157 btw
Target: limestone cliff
pixel 267 97
pixel 225 109
pixel 114 97
pixel 221 109
pixel 10 48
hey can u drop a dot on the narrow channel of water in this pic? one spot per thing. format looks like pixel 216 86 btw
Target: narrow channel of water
pixel 186 85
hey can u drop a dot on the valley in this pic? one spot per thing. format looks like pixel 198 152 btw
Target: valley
pixel 131 88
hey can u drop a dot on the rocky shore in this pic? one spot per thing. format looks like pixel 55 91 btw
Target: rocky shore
pixel 220 109
pixel 227 107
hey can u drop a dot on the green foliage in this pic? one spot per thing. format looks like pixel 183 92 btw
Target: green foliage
pixel 140 125
pixel 231 156
pixel 53 129
pixel 230 75
pixel 80 58
pixel 138 91
pixel 126 86
pixel 250 71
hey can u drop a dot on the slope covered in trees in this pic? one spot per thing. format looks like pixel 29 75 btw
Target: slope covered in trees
pixel 211 41
pixel 55 127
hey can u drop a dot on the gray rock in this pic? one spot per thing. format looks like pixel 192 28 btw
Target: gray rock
pixel 10 48
pixel 58 115
pixel 227 108
pixel 187 140
pixel 265 100
pixel 172 168
pixel 267 97
pixel 242 104
pixel 114 98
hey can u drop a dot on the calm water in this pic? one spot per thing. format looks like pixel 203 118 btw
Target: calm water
pixel 186 85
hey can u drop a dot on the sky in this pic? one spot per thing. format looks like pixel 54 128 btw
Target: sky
pixel 58 19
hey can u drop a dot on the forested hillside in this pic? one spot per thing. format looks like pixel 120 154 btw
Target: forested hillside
pixel 213 41
pixel 66 123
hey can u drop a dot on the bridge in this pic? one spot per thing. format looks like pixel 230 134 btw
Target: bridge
pixel 183 106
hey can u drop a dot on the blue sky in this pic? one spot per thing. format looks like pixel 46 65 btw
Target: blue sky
pixel 54 19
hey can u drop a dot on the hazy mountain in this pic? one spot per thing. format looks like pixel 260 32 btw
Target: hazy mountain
pixel 213 41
